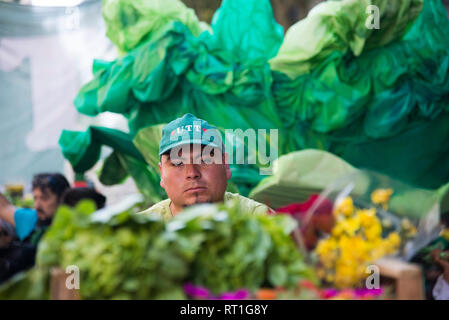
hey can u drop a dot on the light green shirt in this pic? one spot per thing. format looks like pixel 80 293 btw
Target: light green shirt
pixel 247 205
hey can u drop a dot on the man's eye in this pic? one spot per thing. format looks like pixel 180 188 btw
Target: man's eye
pixel 207 161
pixel 176 163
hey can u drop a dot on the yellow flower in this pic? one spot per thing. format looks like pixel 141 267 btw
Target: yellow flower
pixel 350 226
pixel 381 196
pixel 409 228
pixel 321 273
pixel 357 245
pixel 361 271
pixel 412 232
pixel 394 239
pixel 373 232
pixel 386 223
pixel 324 247
pixel 346 207
pixel 378 252
pixel 367 217
pixel 390 245
pixel 406 224
pixel 327 262
pixel 445 234
pixel 345 275
pixel 329 277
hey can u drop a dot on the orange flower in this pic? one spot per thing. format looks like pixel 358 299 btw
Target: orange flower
pixel 266 294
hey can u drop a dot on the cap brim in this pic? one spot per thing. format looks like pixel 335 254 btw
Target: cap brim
pixel 180 143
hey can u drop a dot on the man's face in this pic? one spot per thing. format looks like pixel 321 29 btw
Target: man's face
pixel 191 178
pixel 45 203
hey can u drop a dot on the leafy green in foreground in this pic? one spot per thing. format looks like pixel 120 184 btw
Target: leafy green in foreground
pixel 134 256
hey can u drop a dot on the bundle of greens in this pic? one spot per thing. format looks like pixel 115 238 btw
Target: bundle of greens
pixel 134 256
pixel 128 256
pixel 240 250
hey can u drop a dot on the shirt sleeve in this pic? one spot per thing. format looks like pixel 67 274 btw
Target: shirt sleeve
pixel 25 220
pixel 441 289
pixel 262 209
pixel 160 209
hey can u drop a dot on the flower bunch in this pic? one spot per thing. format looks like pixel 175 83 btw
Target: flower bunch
pixel 381 197
pixel 445 234
pixel 355 241
pixel 353 294
pixel 308 290
pixel 202 293
pixel 407 230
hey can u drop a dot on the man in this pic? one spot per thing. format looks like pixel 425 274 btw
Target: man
pixel 30 224
pixel 7 234
pixel 194 169
pixel 441 289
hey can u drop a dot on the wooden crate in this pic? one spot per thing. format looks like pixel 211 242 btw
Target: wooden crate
pixel 407 277
pixel 58 288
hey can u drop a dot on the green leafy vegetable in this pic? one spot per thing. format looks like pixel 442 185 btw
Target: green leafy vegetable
pixel 126 255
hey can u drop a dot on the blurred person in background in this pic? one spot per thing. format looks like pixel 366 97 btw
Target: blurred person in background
pixel 16 256
pixel 30 224
pixel 72 196
pixel 441 289
pixel 22 228
pixel 7 234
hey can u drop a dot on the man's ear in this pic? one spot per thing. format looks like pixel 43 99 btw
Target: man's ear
pixel 226 164
pixel 162 176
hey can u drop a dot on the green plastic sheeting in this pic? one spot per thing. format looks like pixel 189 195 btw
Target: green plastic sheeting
pixel 336 27
pixel 244 32
pixel 179 72
pixel 131 21
pixel 83 149
pixel 386 110
pixel 300 174
pixel 376 98
pixel 147 140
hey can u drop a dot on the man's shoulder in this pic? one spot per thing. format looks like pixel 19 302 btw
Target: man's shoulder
pixel 247 204
pixel 161 208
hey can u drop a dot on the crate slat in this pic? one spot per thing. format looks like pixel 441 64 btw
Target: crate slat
pixel 408 278
pixel 58 288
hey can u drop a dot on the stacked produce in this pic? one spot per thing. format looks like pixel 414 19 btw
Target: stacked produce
pixel 134 256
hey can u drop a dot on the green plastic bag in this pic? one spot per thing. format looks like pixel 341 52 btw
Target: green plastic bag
pixel 377 99
pixel 341 27
pixel 129 22
pixel 83 150
pixel 298 175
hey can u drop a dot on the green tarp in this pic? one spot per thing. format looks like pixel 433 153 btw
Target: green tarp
pixel 338 27
pixel 376 98
pixel 300 174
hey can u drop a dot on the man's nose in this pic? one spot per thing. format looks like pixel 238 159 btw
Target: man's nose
pixel 192 171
